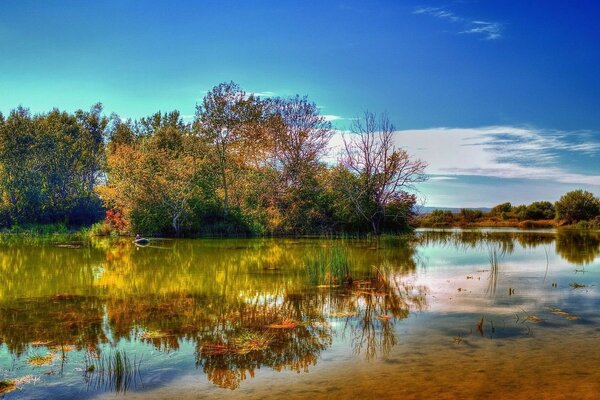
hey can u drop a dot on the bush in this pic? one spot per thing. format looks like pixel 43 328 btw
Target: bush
pixel 540 210
pixel 440 218
pixel 578 205
pixel 469 215
pixel 500 209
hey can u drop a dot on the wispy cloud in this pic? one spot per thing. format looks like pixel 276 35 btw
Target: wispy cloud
pixel 502 152
pixel 441 178
pixel 331 117
pixel 438 12
pixel 488 30
pixel 499 152
pixel 264 94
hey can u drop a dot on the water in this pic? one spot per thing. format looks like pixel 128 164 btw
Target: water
pixel 444 315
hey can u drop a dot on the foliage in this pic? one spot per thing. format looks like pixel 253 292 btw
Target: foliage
pixel 49 166
pixel 244 166
pixel 577 205
pixel 439 218
pixel 540 210
pixel 501 208
pixel 470 215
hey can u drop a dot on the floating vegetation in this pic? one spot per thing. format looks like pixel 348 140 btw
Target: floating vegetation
pixel 343 314
pixel 252 341
pixel 285 324
pixel 576 285
pixel 150 335
pixel 532 318
pixel 562 313
pixel 244 343
pixel 7 386
pixel 113 371
pixel 38 360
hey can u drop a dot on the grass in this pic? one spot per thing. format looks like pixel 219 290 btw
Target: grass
pixel 114 371
pixel 329 268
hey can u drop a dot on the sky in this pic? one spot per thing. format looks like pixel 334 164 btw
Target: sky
pixel 501 98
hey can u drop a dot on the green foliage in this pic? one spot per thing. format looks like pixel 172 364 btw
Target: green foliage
pixel 577 205
pixel 245 166
pixel 440 218
pixel 540 210
pixel 469 215
pixel 501 208
pixel 49 165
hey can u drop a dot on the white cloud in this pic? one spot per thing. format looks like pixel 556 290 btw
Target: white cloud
pixel 441 178
pixel 264 94
pixel 331 117
pixel 489 30
pixel 497 151
pixel 494 151
pixel 438 12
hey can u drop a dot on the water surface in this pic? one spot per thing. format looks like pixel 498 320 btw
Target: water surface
pixel 446 314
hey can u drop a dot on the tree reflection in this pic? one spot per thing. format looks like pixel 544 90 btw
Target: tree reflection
pixel 578 247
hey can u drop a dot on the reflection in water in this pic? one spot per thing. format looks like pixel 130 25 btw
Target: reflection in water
pixel 233 307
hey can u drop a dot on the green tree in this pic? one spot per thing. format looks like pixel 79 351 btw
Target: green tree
pixel 540 210
pixel 228 119
pixel 577 205
pixel 501 208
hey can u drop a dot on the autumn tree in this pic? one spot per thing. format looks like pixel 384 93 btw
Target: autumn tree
pixel 229 121
pixel 381 172
pixel 156 176
pixel 300 136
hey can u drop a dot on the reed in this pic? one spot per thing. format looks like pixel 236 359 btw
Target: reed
pixel 113 371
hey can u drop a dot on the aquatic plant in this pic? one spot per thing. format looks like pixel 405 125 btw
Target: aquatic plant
pixel 7 386
pixel 114 371
pixel 330 267
pixel 39 360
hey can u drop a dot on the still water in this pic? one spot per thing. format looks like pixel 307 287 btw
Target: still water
pixel 444 314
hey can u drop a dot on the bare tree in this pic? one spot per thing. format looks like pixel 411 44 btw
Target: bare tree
pixel 382 173
pixel 301 139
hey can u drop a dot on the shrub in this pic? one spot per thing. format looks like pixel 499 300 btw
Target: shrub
pixel 578 205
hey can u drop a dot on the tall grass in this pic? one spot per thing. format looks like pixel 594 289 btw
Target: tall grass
pixel 328 267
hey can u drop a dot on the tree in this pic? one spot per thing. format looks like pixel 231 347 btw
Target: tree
pixel 49 165
pixel 540 210
pixel 382 173
pixel 302 137
pixel 156 177
pixel 229 120
pixel 577 205
pixel 470 215
pixel 501 208
pixel 299 140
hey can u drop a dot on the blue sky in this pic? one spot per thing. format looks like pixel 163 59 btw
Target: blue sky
pixel 500 97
